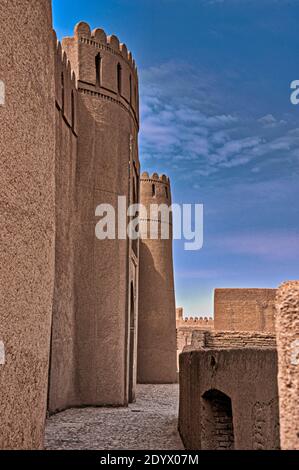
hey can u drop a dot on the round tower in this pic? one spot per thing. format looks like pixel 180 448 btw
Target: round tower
pixel 106 271
pixel 27 176
pixel 157 315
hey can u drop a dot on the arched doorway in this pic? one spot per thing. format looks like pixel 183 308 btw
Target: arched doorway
pixel 217 431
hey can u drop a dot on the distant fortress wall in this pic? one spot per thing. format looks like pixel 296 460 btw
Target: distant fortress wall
pixel 193 322
pixel 185 326
pixel 235 310
pixel 244 309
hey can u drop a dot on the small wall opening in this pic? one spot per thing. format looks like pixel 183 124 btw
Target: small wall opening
pixel 62 91
pixel 119 79
pixel 136 95
pixel 73 109
pixel 98 70
pixel 216 421
pixel 130 89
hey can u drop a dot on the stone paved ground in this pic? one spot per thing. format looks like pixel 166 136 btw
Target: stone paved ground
pixel 149 424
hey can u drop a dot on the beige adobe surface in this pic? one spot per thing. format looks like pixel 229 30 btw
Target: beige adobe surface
pixel 229 399
pixel 108 124
pixel 62 376
pixel 244 309
pixel 199 323
pixel 287 328
pixel 27 217
pixel 68 144
pixel 230 340
pixel 94 340
pixel 156 322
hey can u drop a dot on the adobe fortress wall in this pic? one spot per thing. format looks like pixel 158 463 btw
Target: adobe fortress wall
pixel 244 309
pixel 62 375
pixel 229 399
pixel 186 327
pixel 230 340
pixel 27 207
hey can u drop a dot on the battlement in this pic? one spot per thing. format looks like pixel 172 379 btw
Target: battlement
pixel 204 320
pixel 66 93
pixel 155 189
pixel 99 39
pixel 193 322
pixel 104 67
pixel 154 178
pixel 196 322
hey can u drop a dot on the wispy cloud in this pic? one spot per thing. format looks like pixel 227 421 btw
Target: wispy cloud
pixel 269 121
pixel 266 245
pixel 188 123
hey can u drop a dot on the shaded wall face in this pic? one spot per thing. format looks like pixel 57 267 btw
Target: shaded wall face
pixel 134 182
pixel 248 379
pixel 107 143
pixel 157 316
pixel 184 338
pixel 62 377
pixel 27 218
pixel 244 309
pixel 102 266
pixel 287 332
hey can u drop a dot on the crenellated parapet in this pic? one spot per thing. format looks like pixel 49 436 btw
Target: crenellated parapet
pixel 99 39
pixel 66 94
pixel 104 67
pixel 198 322
pixel 155 189
pixel 155 178
pixel 193 322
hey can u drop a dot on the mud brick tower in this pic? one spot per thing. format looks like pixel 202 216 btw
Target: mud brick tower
pixel 157 315
pixel 105 272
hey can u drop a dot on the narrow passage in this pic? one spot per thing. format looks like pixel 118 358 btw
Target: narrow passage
pixel 148 424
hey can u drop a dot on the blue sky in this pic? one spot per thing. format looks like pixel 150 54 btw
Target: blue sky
pixel 216 117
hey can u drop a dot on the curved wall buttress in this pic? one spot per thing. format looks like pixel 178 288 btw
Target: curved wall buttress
pixel 27 207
